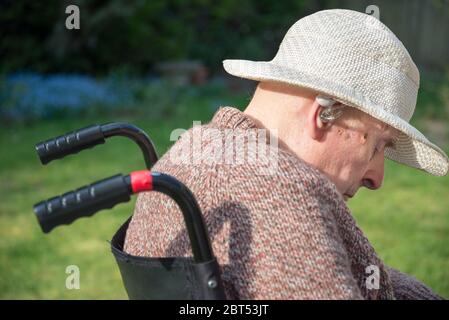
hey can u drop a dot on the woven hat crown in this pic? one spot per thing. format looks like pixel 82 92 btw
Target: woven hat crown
pixel 357 51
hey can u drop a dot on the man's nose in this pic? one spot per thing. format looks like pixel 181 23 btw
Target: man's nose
pixel 374 176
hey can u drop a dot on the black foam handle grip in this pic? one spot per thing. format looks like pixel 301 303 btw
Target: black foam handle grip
pixel 69 143
pixel 83 202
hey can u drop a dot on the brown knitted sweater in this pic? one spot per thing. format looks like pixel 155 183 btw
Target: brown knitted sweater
pixel 277 234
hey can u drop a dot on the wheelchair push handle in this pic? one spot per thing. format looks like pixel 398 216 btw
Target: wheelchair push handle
pixel 69 143
pixel 82 202
pixel 107 193
pixel 88 137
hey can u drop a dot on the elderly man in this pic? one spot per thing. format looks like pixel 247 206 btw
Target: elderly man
pixel 335 100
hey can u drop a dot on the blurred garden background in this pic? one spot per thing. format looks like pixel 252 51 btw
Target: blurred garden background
pixel 157 64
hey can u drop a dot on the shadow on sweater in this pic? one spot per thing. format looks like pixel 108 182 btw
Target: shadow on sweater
pixel 236 274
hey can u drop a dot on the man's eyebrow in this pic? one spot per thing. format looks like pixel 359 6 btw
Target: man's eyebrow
pixel 391 142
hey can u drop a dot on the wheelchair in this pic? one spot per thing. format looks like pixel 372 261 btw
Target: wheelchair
pixel 154 278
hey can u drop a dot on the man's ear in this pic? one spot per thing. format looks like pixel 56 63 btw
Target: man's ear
pixel 315 126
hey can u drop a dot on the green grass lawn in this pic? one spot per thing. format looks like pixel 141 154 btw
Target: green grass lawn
pixel 407 221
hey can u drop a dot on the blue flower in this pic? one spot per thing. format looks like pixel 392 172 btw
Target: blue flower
pixel 30 95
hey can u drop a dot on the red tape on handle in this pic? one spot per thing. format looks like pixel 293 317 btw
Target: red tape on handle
pixel 141 181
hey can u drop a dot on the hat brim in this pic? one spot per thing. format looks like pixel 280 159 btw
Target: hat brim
pixel 412 148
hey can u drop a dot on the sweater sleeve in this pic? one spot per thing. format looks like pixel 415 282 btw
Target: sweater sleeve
pixel 408 288
pixel 300 254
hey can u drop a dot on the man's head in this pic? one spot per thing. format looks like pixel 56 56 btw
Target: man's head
pixel 356 59
pixel 344 143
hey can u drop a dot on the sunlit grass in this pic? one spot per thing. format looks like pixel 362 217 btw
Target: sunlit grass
pixel 407 221
pixel 32 264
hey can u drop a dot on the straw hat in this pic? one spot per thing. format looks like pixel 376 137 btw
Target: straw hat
pixel 355 59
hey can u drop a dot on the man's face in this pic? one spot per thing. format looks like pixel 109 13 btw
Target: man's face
pixel 355 148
